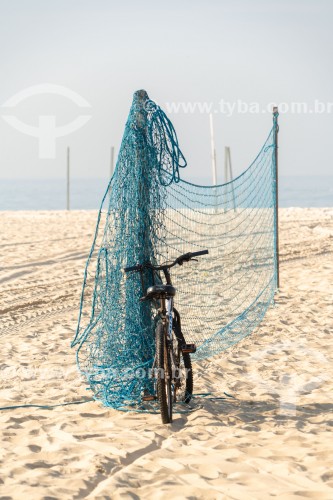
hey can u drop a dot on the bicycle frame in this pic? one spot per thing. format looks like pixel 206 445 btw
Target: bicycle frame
pixel 167 306
pixel 166 312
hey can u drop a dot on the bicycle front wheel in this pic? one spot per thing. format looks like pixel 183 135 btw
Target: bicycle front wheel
pixel 163 375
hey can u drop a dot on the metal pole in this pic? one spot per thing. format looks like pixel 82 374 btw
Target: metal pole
pixel 213 155
pixel 231 176
pixel 226 164
pixel 276 175
pixel 68 178
pixel 225 177
pixel 112 161
pixel 212 147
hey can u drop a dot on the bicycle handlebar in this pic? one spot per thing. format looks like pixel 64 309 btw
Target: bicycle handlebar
pixel 133 268
pixel 183 258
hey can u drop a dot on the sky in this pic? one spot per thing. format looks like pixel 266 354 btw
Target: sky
pixel 247 54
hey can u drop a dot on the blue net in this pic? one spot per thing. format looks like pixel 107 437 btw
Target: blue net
pixel 149 213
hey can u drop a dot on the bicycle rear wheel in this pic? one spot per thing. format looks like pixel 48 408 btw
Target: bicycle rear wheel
pixel 163 375
pixel 183 370
pixel 187 379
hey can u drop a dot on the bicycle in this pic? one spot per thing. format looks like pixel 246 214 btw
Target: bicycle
pixel 172 362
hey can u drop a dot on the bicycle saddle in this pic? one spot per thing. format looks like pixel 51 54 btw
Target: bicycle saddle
pixel 158 291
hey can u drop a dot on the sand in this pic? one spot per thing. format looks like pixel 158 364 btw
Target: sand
pixel 272 438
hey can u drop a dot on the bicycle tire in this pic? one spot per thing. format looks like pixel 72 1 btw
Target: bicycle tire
pixel 163 375
pixel 189 378
pixel 188 389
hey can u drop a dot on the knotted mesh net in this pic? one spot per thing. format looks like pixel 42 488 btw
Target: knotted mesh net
pixel 149 214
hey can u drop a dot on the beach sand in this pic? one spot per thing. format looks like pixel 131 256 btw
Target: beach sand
pixel 272 438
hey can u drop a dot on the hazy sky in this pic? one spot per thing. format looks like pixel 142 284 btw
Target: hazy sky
pixel 191 51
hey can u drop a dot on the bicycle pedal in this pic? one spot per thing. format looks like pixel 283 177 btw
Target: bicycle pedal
pixel 149 397
pixel 189 348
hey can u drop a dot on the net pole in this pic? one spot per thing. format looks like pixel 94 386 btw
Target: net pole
pixel 231 179
pixel 225 164
pixel 68 179
pixel 212 146
pixel 228 154
pixel 225 180
pixel 213 155
pixel 276 179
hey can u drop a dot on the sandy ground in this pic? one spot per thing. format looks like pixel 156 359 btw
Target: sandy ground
pixel 273 438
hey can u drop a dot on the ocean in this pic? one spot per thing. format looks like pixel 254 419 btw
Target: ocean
pixel 86 194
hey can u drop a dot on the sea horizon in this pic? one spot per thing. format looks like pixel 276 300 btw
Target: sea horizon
pixel 87 193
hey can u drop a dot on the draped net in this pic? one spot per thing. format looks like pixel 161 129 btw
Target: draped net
pixel 149 213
